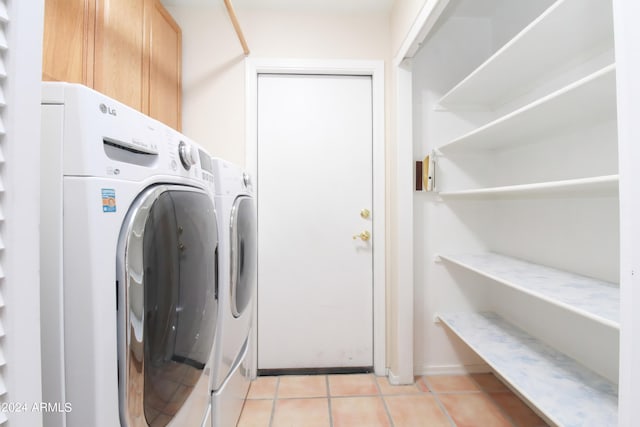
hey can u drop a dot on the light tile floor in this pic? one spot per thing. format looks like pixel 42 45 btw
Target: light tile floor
pixel 364 400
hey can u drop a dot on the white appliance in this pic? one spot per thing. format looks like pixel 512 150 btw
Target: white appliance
pixel 231 366
pixel 129 266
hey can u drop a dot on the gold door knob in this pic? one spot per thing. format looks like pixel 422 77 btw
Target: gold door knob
pixel 364 213
pixel 364 236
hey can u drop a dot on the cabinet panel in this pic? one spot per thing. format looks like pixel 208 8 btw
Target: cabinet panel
pixel 130 50
pixel 68 41
pixel 119 68
pixel 165 67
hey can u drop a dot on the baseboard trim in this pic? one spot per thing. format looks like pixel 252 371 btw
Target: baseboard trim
pixel 394 379
pixel 316 371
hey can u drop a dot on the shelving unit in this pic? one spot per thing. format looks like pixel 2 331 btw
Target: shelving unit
pixel 589 99
pixel 567 393
pixel 595 186
pixel 513 66
pixel 526 160
pixel 595 299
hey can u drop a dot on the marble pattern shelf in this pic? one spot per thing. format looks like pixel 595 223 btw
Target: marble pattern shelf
pixel 595 299
pixel 563 390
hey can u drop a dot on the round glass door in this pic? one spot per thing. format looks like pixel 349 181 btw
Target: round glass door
pixel 243 253
pixel 167 301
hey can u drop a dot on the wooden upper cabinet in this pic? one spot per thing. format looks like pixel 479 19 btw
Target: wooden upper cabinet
pixel 130 50
pixel 165 88
pixel 120 66
pixel 68 41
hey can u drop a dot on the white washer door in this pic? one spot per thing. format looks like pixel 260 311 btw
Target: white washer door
pixel 167 299
pixel 243 254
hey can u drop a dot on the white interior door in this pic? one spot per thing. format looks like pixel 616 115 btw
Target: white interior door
pixel 315 283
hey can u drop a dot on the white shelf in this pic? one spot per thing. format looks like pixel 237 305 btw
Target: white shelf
pixel 595 299
pixel 588 100
pixel 568 29
pixel 563 390
pixel 594 186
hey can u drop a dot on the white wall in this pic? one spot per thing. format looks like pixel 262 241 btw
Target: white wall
pixel 449 56
pixel 403 16
pixel 213 64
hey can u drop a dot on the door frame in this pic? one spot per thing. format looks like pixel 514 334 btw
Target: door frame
pixel 375 69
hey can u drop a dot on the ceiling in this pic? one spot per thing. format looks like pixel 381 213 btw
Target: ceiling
pixel 301 5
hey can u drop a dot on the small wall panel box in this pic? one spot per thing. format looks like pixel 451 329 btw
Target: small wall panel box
pixel 425 174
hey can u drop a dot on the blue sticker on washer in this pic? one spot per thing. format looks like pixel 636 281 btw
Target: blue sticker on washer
pixel 108 200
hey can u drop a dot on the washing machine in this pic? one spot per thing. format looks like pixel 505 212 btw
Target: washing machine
pixel 129 251
pixel 232 361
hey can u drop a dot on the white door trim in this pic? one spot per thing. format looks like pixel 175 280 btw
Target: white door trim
pixel 401 370
pixel 375 69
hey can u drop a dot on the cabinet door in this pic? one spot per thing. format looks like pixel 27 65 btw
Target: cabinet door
pixel 68 41
pixel 120 66
pixel 165 53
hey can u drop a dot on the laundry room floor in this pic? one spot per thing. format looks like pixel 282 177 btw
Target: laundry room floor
pixel 364 400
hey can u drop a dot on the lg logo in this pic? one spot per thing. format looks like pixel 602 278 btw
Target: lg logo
pixel 107 110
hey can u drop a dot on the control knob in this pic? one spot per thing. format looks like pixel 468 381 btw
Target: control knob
pixel 187 155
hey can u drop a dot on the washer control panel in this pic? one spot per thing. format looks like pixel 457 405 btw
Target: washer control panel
pixel 187 154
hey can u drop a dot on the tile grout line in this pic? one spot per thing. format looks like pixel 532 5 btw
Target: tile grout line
pixel 438 402
pixel 461 392
pixel 273 404
pixel 326 383
pixel 384 401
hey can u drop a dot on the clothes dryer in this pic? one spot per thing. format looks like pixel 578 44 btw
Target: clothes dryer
pixel 129 266
pixel 238 240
